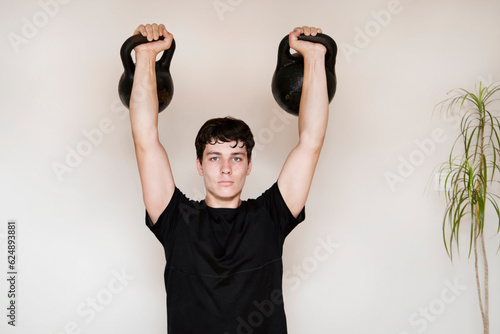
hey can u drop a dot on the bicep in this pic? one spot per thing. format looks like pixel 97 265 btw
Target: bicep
pixel 296 177
pixel 156 178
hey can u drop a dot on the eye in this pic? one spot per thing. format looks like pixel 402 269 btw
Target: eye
pixel 237 159
pixel 214 159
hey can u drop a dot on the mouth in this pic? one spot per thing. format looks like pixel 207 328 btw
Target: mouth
pixel 226 183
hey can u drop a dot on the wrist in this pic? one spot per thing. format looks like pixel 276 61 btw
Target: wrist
pixel 145 56
pixel 315 57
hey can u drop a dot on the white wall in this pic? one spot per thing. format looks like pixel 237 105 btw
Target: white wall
pixel 388 270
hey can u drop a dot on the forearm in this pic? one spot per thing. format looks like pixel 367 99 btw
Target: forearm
pixel 314 103
pixel 144 101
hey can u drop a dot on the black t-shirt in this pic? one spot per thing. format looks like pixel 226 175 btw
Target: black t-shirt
pixel 224 269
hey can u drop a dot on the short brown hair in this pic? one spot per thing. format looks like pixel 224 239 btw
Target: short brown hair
pixel 224 129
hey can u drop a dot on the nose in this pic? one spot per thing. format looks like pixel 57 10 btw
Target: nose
pixel 226 167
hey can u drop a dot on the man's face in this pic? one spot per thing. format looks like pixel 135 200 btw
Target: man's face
pixel 224 168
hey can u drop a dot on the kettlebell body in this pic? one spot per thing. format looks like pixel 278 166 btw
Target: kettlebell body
pixel 164 83
pixel 289 74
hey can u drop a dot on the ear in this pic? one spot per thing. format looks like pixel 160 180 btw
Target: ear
pixel 199 167
pixel 249 169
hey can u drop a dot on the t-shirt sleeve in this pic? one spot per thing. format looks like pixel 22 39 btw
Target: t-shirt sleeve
pixel 168 217
pixel 281 215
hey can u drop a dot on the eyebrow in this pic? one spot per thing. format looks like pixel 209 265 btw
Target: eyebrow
pixel 219 153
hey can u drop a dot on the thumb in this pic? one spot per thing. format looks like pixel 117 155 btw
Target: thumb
pixel 293 37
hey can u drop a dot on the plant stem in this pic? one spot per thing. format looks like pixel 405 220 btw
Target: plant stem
pixel 484 308
pixel 486 321
pixel 478 282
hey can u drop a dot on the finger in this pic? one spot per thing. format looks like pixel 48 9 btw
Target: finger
pixel 162 30
pixel 300 30
pixel 307 30
pixel 140 30
pixel 156 32
pixel 149 32
pixel 313 31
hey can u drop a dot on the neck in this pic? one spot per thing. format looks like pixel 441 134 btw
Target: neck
pixel 230 203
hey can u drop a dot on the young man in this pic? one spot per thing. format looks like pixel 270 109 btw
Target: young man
pixel 224 269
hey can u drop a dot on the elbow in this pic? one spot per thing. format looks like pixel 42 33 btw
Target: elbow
pixel 142 141
pixel 313 143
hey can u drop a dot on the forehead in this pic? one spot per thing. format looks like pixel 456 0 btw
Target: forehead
pixel 225 147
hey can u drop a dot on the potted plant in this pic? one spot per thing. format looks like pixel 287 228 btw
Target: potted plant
pixel 468 174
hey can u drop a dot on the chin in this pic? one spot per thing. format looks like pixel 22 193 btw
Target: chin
pixel 226 192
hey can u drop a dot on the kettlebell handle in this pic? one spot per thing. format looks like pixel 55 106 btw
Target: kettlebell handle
pixel 331 49
pixel 135 40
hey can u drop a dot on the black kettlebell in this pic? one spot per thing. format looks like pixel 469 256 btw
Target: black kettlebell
pixel 287 79
pixel 164 83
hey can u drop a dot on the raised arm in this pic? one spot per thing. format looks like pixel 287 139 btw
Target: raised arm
pixel 296 176
pixel 154 168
